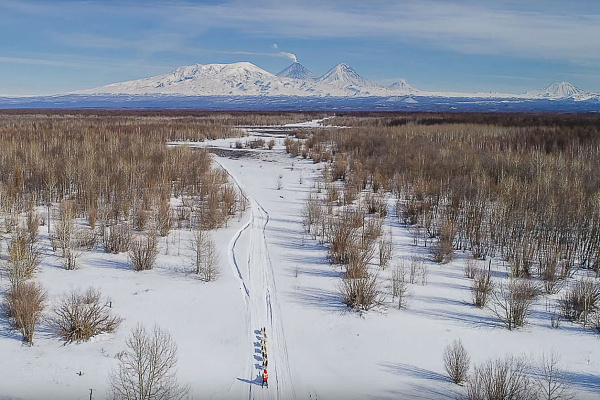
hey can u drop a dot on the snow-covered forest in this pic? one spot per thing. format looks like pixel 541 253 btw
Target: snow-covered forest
pixel 386 256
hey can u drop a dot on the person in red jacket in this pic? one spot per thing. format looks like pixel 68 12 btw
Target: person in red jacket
pixel 265 376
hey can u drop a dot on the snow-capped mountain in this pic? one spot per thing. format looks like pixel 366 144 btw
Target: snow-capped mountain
pixel 298 71
pixel 402 86
pixel 342 75
pixel 246 79
pixel 560 90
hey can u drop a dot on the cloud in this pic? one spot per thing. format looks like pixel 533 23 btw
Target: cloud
pixel 291 56
pixel 549 30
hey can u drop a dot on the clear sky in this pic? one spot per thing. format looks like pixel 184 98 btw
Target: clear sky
pixel 465 45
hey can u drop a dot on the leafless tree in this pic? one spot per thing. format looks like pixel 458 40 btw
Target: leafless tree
pixel 361 293
pixel 456 361
pixel 23 259
pixel 147 368
pixel 386 247
pixel 552 382
pixel 65 235
pixel 581 301
pixel 481 286
pixel 470 268
pixel 142 252
pixel 205 261
pixel 400 286
pixel 501 379
pixel 117 238
pixel 23 306
pixel 511 302
pixel 81 315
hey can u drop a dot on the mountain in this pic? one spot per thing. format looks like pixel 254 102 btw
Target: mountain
pixel 342 75
pixel 298 71
pixel 246 79
pixel 402 86
pixel 560 90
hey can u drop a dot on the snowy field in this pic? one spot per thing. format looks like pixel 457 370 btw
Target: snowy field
pixel 274 275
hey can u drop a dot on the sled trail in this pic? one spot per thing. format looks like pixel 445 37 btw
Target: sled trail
pixel 255 270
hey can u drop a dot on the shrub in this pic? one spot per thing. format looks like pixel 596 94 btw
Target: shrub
pixel 481 287
pixel 81 315
pixel 143 252
pixel 117 238
pixel 456 362
pixel 501 379
pixel 23 306
pixel 511 303
pixel 400 286
pixel 581 301
pixel 23 259
pixel 164 219
pixel 470 268
pixel 362 293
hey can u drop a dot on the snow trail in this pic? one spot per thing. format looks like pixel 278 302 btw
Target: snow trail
pixel 260 295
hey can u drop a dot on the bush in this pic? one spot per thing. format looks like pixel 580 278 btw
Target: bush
pixel 502 379
pixel 81 315
pixel 117 238
pixel 360 293
pixel 23 258
pixel 456 362
pixel 511 303
pixel 481 287
pixel 143 252
pixel 23 306
pixel 400 286
pixel 581 301
pixel 147 368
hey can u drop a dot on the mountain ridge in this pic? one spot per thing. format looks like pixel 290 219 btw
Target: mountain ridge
pixel 247 79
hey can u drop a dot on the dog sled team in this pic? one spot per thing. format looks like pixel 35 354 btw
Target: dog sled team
pixel 265 359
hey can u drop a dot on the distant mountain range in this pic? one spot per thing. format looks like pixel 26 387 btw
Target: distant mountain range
pixel 246 79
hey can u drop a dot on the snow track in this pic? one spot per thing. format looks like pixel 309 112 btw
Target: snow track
pixel 255 270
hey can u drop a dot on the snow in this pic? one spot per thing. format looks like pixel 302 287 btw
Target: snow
pixel 298 71
pixel 276 276
pixel 343 75
pixel 560 90
pixel 246 79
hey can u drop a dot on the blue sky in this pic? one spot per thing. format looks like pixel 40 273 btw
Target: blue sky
pixel 506 46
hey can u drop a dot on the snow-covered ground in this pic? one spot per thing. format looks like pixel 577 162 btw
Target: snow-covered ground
pixel 274 275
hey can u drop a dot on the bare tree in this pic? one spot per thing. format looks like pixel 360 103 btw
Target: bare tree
pixel 143 252
pixel 147 368
pixel 362 293
pixel 552 381
pixel 64 235
pixel 23 259
pixel 205 261
pixel 456 362
pixel 581 301
pixel 400 286
pixel 511 302
pixel 81 315
pixel 481 286
pixel 23 306
pixel 501 379
pixel 386 247
pixel 117 238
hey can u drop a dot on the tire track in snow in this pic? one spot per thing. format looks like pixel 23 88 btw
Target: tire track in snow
pixel 261 303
